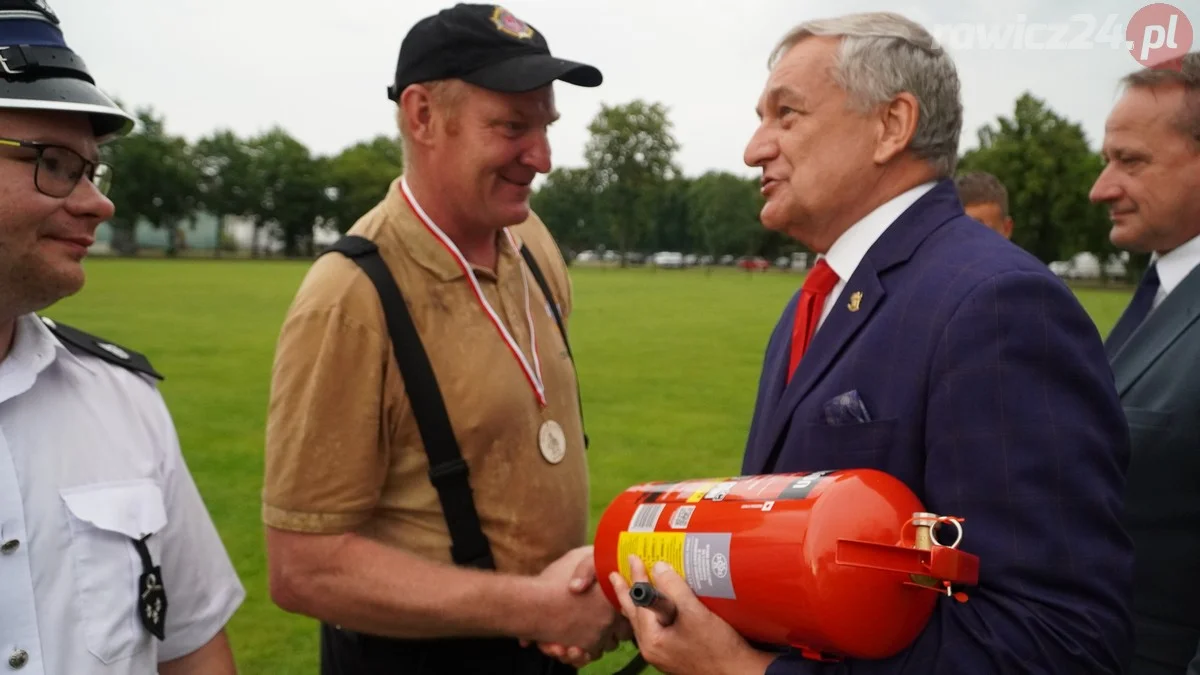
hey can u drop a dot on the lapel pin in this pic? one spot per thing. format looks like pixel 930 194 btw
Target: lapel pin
pixel 855 301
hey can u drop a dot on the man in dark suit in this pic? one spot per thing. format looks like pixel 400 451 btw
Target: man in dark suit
pixel 1151 184
pixel 927 347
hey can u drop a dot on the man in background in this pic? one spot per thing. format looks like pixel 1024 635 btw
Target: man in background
pixel 985 199
pixel 1151 185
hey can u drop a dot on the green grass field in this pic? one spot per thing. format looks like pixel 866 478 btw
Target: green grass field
pixel 668 360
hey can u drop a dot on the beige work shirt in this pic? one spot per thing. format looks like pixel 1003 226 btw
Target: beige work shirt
pixel 343 452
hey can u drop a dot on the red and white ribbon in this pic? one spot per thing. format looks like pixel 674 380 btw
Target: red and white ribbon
pixel 532 373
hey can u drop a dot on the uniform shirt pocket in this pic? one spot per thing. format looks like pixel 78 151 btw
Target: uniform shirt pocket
pixel 105 519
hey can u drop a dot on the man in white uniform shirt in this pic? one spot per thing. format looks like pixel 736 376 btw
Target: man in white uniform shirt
pixel 1151 185
pixel 109 563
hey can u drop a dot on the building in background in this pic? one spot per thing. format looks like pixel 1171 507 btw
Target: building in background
pixel 199 236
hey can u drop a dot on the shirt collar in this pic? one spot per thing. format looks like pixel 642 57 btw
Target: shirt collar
pixel 40 327
pixel 425 247
pixel 1177 264
pixel 34 349
pixel 850 248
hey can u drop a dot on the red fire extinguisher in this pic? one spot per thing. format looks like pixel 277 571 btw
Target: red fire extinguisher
pixel 839 564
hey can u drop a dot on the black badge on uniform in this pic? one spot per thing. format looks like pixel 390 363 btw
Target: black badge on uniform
pixel 152 602
pixel 152 595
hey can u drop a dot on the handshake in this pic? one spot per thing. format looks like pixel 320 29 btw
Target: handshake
pixel 577 624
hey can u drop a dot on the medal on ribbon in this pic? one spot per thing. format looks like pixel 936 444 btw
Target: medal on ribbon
pixel 533 371
pixel 552 442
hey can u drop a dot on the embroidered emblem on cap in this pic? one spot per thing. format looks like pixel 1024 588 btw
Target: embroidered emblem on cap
pixel 507 23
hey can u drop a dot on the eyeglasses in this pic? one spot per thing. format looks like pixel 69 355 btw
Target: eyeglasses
pixel 58 169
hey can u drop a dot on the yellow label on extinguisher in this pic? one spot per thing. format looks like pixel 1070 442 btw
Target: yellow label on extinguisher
pixel 700 559
pixel 651 547
pixel 700 492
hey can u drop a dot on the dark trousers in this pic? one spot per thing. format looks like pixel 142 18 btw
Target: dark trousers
pixel 349 653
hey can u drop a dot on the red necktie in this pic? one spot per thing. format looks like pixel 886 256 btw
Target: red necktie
pixel 820 281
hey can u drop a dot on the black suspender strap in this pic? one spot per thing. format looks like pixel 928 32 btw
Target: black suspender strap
pixel 447 469
pixel 541 282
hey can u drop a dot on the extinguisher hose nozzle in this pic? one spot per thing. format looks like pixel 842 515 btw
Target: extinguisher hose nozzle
pixel 645 595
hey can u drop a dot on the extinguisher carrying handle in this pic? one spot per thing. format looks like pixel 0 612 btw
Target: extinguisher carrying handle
pixel 645 595
pixel 942 563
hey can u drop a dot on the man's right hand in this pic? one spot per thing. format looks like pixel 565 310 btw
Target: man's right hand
pixel 584 621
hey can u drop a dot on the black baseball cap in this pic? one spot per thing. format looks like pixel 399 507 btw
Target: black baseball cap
pixel 487 46
pixel 38 71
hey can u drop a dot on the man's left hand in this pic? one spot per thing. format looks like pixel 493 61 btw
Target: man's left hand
pixel 698 642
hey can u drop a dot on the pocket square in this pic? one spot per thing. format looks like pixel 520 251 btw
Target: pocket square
pixel 847 408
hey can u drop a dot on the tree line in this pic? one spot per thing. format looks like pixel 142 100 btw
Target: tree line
pixel 271 179
pixel 630 195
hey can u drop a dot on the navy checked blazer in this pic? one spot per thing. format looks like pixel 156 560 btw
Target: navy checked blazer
pixel 990 395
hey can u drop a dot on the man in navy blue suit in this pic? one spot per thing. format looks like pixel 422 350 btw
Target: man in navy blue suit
pixel 927 346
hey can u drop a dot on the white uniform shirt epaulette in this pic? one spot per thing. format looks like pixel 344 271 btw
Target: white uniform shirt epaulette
pixel 109 561
pixel 77 340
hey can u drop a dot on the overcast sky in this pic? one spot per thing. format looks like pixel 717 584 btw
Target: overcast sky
pixel 320 69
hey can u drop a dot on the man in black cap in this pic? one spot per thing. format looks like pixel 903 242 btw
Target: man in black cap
pixel 109 562
pixel 426 489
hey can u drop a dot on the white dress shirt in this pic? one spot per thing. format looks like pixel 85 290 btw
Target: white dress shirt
pixel 89 459
pixel 1175 266
pixel 850 248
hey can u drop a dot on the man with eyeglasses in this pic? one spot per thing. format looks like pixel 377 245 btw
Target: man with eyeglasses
pixel 109 562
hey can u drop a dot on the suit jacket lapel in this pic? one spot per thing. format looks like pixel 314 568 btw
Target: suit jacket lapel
pixel 1161 328
pixel 774 373
pixel 894 247
pixel 775 368
pixel 832 337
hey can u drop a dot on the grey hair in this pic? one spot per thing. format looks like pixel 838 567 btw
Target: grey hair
pixel 1181 71
pixel 882 54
